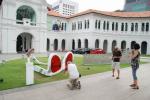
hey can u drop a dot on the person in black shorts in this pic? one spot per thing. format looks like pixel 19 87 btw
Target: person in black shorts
pixel 116 62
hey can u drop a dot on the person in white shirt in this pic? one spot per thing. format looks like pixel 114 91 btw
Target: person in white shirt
pixel 73 75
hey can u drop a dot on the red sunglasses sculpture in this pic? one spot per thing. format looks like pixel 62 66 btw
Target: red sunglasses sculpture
pixel 54 65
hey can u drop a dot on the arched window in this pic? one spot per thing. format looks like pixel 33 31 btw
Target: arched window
pixel 86 43
pixel 48 44
pixel 63 44
pixel 24 42
pixel 55 27
pixel 79 43
pixel 144 47
pixel 55 44
pixel 123 45
pixel 96 43
pixel 73 44
pixel 105 45
pixel 26 13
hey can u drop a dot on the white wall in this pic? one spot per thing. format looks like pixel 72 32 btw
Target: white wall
pixel 92 34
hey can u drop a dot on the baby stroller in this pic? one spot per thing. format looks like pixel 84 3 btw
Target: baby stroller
pixel 74 84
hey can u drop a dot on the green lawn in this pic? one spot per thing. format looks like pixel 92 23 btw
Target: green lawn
pixel 13 72
pixel 145 55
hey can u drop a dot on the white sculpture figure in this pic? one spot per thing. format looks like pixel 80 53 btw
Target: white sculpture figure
pixel 29 68
pixel 32 58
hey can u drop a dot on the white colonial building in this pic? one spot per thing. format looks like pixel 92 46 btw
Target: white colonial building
pixel 97 29
pixel 23 24
pixel 28 24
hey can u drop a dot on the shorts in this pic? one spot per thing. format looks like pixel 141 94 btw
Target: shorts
pixel 116 65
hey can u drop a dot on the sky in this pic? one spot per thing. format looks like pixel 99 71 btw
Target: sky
pixel 102 5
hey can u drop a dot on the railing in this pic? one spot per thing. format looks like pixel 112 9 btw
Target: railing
pixel 25 22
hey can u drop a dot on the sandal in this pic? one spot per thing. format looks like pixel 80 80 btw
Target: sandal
pixel 132 85
pixel 136 87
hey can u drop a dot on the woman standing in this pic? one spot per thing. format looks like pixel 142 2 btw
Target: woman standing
pixel 135 57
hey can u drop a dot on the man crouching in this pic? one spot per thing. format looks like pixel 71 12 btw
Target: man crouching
pixel 73 76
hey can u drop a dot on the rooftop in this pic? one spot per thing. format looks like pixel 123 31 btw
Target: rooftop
pixel 113 14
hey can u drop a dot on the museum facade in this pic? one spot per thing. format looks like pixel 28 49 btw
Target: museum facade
pixel 29 24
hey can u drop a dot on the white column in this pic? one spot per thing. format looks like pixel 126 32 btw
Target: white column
pixel 148 47
pixel 29 73
pixel 109 46
pixel 59 44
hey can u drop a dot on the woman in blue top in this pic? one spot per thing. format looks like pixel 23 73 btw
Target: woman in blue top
pixel 135 56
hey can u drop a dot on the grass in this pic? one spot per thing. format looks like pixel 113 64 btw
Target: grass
pixel 13 72
pixel 145 55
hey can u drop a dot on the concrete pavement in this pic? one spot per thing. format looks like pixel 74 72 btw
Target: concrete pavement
pixel 94 87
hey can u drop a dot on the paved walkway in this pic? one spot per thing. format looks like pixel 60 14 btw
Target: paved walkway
pixel 94 87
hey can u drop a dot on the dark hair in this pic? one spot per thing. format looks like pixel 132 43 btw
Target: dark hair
pixel 136 46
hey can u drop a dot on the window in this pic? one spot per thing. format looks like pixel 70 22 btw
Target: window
pixel 122 26
pixel 126 27
pixel 113 26
pixel 116 26
pixel 132 26
pixel 73 26
pixel 62 26
pixel 143 27
pixel 85 26
pixel 147 27
pixel 104 25
pixel 96 24
pixel 107 25
pixel 79 25
pixel 99 24
pixel 88 24
pixel 136 26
